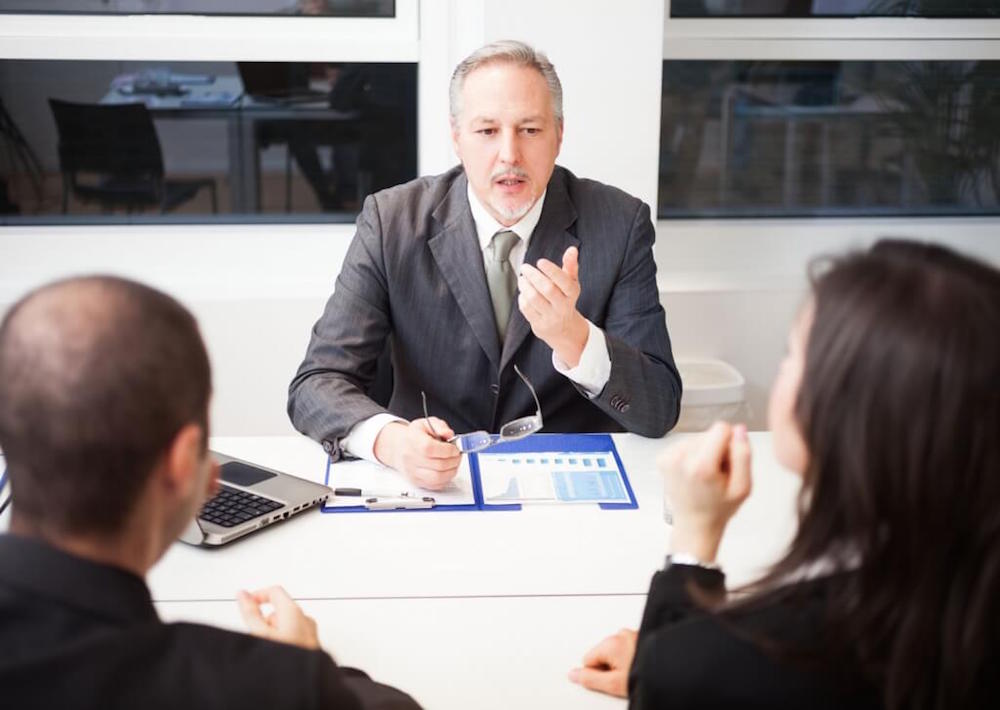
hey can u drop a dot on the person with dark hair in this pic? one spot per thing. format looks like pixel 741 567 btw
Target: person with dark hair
pixel 888 405
pixel 104 424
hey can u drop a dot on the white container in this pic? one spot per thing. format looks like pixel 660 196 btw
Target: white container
pixel 713 390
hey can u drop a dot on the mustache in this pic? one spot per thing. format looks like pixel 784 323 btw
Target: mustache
pixel 509 172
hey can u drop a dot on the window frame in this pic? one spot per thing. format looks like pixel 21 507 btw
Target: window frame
pixel 208 38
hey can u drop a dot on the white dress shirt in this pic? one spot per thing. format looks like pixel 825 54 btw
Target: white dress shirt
pixel 591 373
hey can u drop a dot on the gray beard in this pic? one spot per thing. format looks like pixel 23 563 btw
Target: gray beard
pixel 515 214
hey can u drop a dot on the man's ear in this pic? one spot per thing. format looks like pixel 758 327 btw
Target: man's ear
pixel 454 139
pixel 559 136
pixel 184 456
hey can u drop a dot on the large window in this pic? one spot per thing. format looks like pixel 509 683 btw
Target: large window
pixel 201 141
pixel 112 117
pixel 829 117
pixel 330 8
pixel 783 138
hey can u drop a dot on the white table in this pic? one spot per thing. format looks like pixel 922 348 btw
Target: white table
pixel 540 550
pixel 478 609
pixel 484 653
pixel 472 609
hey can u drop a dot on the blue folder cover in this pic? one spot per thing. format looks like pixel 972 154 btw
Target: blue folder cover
pixel 536 443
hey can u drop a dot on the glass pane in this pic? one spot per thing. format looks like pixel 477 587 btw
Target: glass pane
pixel 329 8
pixel 751 138
pixel 834 8
pixel 138 141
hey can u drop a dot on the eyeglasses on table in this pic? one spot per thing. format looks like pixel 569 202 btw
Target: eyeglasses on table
pixel 511 431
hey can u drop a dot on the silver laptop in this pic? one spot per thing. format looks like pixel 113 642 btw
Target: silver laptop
pixel 251 497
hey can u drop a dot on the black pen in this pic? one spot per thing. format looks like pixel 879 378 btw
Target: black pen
pixel 399 503
pixel 359 492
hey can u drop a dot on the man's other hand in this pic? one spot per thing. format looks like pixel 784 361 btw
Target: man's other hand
pixel 286 622
pixel 547 300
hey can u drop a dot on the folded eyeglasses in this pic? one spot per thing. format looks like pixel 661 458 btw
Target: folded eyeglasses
pixel 511 431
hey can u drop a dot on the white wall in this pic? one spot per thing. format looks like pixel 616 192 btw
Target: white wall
pixel 608 56
pixel 730 288
pixel 256 291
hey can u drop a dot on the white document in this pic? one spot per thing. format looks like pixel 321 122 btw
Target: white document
pixel 387 482
pixel 552 477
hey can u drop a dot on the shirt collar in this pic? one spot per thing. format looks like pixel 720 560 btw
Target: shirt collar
pixel 45 572
pixel 486 226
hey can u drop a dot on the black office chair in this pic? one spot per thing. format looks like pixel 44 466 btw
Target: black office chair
pixel 302 137
pixel 110 154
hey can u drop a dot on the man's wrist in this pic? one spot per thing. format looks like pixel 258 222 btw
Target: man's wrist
pixel 385 443
pixel 360 440
pixel 570 347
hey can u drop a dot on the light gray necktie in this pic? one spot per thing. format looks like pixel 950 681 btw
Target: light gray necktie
pixel 500 278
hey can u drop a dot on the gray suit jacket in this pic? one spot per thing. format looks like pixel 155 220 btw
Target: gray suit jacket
pixel 413 280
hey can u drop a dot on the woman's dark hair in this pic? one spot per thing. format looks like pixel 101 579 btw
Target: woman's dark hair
pixel 899 407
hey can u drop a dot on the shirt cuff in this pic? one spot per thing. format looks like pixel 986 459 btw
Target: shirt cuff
pixel 360 440
pixel 594 369
pixel 682 558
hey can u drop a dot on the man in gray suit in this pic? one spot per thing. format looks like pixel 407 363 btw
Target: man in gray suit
pixel 435 268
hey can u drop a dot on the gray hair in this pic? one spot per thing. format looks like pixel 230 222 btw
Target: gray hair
pixel 507 51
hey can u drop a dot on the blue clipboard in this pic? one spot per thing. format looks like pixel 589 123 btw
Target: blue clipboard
pixel 536 443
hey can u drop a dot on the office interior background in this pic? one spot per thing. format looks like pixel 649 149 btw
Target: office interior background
pixel 763 133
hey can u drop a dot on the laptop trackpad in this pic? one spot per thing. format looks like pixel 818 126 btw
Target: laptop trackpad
pixel 243 474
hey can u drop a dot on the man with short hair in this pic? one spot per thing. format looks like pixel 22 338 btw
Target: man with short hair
pixel 435 269
pixel 104 424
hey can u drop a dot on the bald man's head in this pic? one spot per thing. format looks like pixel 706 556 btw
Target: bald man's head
pixel 97 375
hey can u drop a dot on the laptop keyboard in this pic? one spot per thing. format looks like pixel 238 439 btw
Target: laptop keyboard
pixel 233 506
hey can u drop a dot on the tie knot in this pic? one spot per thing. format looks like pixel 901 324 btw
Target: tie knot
pixel 503 242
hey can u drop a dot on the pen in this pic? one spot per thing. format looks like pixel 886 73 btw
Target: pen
pixel 369 494
pixel 399 503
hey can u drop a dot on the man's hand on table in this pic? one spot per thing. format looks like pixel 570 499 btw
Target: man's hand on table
pixel 413 450
pixel 286 621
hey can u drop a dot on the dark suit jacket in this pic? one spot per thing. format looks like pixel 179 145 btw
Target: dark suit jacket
pixel 76 634
pixel 414 272
pixel 689 658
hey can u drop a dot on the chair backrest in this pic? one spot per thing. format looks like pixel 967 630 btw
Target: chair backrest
pixel 117 139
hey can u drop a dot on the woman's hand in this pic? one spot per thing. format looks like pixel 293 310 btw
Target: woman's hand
pixel 707 478
pixel 606 665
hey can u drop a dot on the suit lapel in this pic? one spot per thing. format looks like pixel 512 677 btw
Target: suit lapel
pixel 550 240
pixel 455 248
